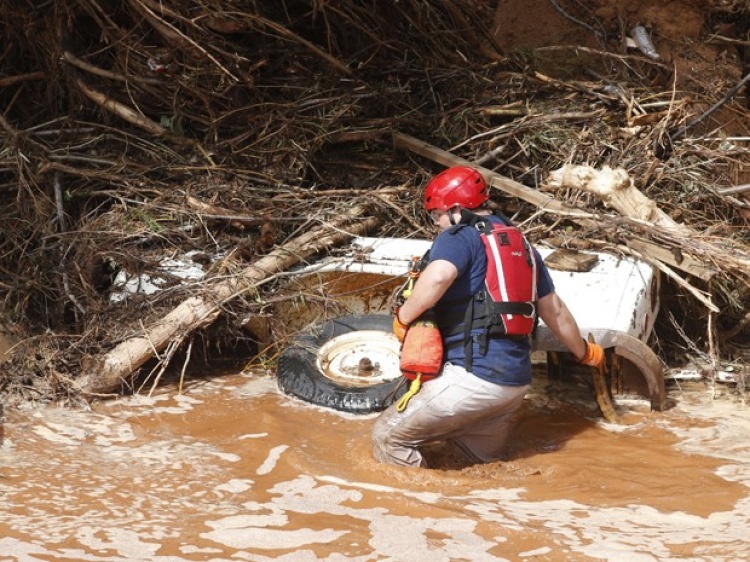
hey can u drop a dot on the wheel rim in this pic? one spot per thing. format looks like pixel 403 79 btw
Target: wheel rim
pixel 360 358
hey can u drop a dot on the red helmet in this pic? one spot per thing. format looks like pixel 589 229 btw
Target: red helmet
pixel 457 186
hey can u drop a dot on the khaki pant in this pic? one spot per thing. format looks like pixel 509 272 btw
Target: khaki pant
pixel 475 414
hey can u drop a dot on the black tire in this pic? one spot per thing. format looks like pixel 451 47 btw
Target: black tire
pixel 299 373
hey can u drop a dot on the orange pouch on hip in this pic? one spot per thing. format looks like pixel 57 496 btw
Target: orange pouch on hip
pixel 422 351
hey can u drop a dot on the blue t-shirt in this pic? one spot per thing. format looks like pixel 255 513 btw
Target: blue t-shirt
pixel 508 360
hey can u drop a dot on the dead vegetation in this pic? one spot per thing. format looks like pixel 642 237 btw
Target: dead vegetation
pixel 133 132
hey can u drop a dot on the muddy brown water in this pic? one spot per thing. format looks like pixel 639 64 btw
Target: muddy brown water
pixel 233 470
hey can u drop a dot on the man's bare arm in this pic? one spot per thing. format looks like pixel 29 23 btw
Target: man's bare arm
pixel 559 319
pixel 431 285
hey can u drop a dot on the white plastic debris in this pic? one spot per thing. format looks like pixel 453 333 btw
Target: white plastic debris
pixel 126 284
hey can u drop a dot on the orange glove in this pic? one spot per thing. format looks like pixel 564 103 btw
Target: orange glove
pixel 594 356
pixel 399 328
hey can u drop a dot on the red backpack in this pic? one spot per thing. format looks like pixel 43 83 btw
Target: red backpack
pixel 511 278
pixel 506 307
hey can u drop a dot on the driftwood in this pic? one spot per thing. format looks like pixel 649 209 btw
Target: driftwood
pixel 645 249
pixel 105 374
pixel 615 188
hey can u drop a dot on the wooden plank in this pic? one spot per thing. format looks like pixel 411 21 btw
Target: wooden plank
pixel 686 263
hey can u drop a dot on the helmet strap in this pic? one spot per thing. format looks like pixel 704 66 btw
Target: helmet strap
pixel 469 217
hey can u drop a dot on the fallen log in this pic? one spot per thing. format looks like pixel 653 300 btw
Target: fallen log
pixel 106 373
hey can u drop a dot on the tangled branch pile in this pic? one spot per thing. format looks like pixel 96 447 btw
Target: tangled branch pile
pixel 136 130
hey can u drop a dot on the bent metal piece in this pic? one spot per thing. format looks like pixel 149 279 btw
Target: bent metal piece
pixel 622 345
pixel 647 362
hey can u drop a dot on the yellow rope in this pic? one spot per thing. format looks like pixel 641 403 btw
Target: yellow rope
pixel 416 384
pixel 409 288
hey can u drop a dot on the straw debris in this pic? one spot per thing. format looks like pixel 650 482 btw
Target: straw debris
pixel 137 132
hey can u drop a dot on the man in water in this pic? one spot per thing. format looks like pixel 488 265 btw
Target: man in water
pixel 486 373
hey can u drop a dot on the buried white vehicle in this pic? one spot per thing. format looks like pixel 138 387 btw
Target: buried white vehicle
pixel 350 362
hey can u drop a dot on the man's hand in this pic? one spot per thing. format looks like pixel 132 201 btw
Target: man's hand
pixel 399 328
pixel 594 356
